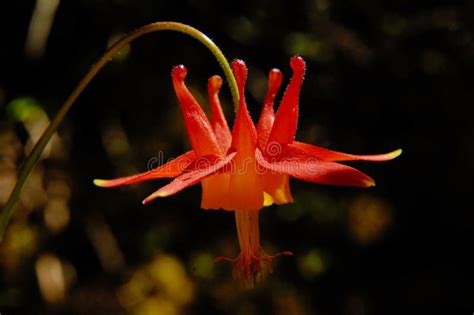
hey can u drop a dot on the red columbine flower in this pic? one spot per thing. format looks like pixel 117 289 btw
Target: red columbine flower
pixel 249 168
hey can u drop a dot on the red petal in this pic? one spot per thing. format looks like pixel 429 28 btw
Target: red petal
pixel 218 122
pixel 267 117
pixel 312 170
pixel 201 168
pixel 329 155
pixel 170 169
pixel 200 133
pixel 286 119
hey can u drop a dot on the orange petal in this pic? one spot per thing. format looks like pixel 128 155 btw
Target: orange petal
pixel 286 119
pixel 329 155
pixel 200 133
pixel 218 121
pixel 170 169
pixel 245 187
pixel 267 117
pixel 201 168
pixel 215 192
pixel 313 170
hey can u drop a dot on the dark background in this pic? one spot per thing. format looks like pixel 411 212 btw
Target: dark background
pixel 380 75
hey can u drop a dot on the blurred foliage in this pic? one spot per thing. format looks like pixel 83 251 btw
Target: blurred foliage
pixel 381 75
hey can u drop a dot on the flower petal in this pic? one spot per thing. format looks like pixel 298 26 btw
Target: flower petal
pixel 329 155
pixel 286 119
pixel 267 117
pixel 218 121
pixel 244 184
pixel 200 133
pixel 215 191
pixel 170 169
pixel 313 170
pixel 201 168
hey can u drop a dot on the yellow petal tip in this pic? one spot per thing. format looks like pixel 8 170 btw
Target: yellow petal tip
pixel 369 183
pixel 395 153
pixel 154 196
pixel 99 182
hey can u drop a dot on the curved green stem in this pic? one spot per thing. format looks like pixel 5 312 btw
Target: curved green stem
pixel 35 154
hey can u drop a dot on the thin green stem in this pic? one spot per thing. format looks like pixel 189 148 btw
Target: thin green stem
pixel 35 154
